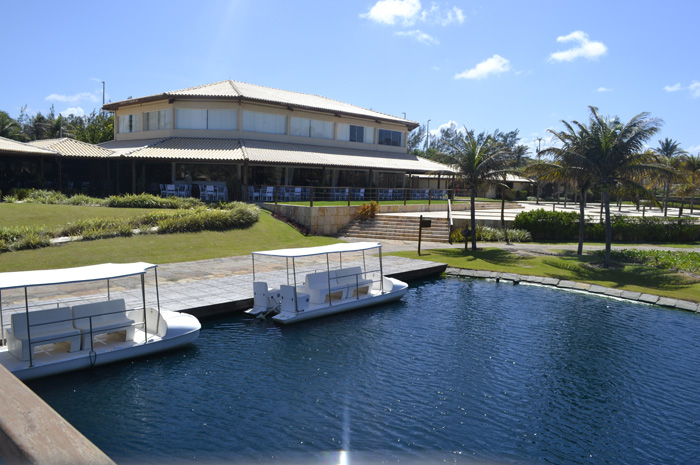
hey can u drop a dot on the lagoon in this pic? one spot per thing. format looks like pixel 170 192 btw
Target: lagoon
pixel 461 371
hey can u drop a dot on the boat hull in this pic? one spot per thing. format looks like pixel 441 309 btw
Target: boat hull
pixel 398 290
pixel 182 329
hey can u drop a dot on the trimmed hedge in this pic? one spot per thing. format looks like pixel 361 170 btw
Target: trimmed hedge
pixel 563 226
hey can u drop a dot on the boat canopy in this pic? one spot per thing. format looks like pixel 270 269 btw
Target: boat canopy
pixel 79 274
pixel 321 250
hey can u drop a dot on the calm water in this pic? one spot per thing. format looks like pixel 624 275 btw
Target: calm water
pixel 458 371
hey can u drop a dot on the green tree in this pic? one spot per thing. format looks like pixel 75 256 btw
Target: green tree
pixel 97 127
pixel 668 154
pixel 611 153
pixel 9 128
pixel 480 160
pixel 690 168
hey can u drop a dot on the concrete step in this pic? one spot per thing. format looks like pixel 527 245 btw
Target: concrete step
pixel 397 227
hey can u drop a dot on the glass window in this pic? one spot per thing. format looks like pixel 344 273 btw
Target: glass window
pixel 387 137
pixel 355 133
pixel 305 127
pixel 264 122
pixel 130 123
pixel 186 118
pixel 222 120
pixel 155 120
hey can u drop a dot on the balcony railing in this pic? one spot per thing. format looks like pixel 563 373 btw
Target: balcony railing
pixel 311 194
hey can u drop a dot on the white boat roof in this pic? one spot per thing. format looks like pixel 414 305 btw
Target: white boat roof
pixel 100 272
pixel 321 250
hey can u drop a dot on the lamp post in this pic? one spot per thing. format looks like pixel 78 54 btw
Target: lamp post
pixel 427 136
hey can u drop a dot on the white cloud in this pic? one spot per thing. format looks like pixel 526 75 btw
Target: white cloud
pixel 694 89
pixel 603 89
pixel 673 88
pixel 76 111
pixel 584 48
pixel 389 11
pixel 408 12
pixel 418 35
pixel 693 149
pixel 82 96
pixel 494 65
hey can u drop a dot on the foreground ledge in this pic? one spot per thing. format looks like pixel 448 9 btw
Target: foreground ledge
pixel 31 432
pixel 582 287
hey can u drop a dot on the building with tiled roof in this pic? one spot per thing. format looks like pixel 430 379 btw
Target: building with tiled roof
pixel 241 134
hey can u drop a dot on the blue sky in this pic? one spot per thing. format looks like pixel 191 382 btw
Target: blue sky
pixel 484 64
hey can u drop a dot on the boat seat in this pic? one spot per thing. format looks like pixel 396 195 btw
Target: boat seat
pixel 352 279
pixel 318 287
pixel 107 317
pixel 46 326
pixel 264 298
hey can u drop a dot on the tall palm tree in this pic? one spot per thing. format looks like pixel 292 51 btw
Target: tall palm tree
pixel 668 154
pixel 480 160
pixel 690 168
pixel 611 153
pixel 572 144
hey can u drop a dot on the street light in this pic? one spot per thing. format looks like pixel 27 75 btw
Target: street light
pixel 427 137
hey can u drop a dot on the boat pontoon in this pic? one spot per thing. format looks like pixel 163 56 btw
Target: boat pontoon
pixel 43 337
pixel 333 279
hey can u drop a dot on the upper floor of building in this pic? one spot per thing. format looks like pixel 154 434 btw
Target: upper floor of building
pixel 231 109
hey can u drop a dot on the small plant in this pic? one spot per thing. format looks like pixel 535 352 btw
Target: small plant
pixel 367 211
pixel 11 198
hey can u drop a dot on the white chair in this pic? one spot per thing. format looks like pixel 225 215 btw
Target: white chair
pixel 252 195
pixel 359 194
pixel 170 190
pixel 269 194
pixel 209 193
pixel 297 193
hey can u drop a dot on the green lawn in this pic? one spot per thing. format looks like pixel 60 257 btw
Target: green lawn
pixel 25 214
pixel 266 234
pixel 569 266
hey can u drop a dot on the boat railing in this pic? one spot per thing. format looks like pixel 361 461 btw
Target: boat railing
pixel 78 330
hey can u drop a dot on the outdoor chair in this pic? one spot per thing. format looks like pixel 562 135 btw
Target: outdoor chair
pixel 170 190
pixel 269 194
pixel 358 194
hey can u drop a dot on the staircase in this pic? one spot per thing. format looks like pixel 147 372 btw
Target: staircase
pixel 401 228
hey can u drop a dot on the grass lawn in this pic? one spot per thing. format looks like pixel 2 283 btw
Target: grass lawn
pixel 19 214
pixel 569 266
pixel 266 234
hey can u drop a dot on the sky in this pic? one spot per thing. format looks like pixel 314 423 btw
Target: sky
pixel 486 65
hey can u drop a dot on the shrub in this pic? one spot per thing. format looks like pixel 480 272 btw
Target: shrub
pixel 151 201
pixel 31 240
pixel 209 220
pixel 44 196
pixel 82 199
pixel 367 211
pixel 10 199
pixel 20 192
pixel 548 225
pixel 488 234
pixel 678 260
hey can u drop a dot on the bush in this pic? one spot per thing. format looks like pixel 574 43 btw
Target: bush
pixel 151 201
pixel 44 196
pixel 367 211
pixel 488 234
pixel 20 193
pixel 548 225
pixel 209 220
pixel 678 260
pixel 84 200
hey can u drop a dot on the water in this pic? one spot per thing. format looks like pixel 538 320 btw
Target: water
pixel 459 371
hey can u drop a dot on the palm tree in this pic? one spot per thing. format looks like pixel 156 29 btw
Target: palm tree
pixel 690 167
pixel 9 128
pixel 610 152
pixel 573 144
pixel 480 161
pixel 668 152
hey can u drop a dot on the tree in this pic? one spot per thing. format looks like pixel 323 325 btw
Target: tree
pixel 668 154
pixel 611 153
pixel 97 128
pixel 9 128
pixel 480 160
pixel 573 143
pixel 690 168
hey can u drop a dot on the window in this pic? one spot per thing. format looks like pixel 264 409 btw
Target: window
pixel 216 120
pixel 130 123
pixel 306 127
pixel 353 133
pixel 186 118
pixel 222 120
pixel 155 120
pixel 264 122
pixel 387 137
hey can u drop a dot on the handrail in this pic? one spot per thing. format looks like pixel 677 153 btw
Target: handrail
pixel 449 219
